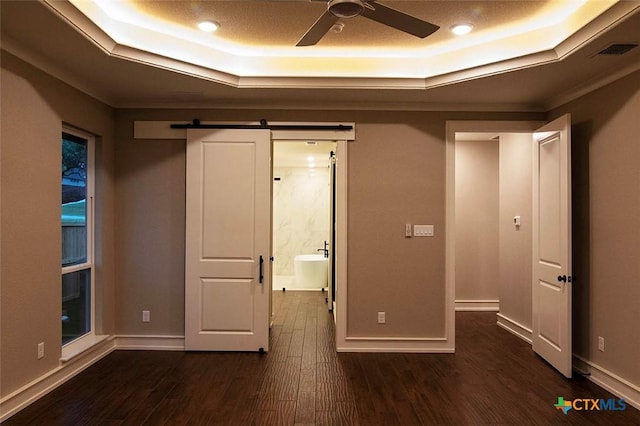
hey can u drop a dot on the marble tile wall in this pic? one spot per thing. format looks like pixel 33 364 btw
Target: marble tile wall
pixel 300 214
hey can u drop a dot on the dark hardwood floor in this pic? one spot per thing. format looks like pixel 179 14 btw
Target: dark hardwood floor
pixel 493 378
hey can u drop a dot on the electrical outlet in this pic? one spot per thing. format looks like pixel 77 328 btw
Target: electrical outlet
pixel 601 343
pixel 382 317
pixel 40 350
pixel 146 316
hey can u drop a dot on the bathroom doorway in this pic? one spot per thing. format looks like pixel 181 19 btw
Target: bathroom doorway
pixel 303 225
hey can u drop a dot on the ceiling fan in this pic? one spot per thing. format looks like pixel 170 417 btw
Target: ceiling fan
pixel 337 9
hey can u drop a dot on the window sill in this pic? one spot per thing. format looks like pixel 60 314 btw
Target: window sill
pixel 81 346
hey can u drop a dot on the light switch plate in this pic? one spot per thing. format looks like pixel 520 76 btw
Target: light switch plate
pixel 423 230
pixel 408 230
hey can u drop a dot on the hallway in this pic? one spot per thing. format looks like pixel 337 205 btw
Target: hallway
pixel 494 378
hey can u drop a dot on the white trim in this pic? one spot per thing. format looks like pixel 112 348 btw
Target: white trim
pixel 163 130
pixel 219 63
pixel 99 38
pixel 400 350
pixel 395 344
pixel 41 62
pixel 609 381
pixel 490 305
pixel 589 86
pixel 593 372
pixel 434 347
pixel 29 393
pixel 396 339
pixel 515 328
pixel 340 307
pixel 149 342
pixel 81 346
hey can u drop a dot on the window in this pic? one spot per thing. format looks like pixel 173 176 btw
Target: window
pixel 77 232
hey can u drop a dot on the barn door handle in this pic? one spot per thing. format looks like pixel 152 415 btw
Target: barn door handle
pixel 261 266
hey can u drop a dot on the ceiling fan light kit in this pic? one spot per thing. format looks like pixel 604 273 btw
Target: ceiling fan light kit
pixel 345 8
pixel 337 28
pixel 370 9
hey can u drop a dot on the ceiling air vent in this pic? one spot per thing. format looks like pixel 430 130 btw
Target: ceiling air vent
pixel 618 49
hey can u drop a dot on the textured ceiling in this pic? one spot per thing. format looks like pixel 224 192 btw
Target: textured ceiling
pixel 275 23
pixel 257 39
pixel 83 54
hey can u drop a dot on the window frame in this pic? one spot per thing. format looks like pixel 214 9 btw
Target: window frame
pixel 79 343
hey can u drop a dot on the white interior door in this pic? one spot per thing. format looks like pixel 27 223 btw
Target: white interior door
pixel 552 280
pixel 228 240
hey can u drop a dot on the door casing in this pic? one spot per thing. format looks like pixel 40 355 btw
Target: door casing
pixel 453 127
pixel 162 130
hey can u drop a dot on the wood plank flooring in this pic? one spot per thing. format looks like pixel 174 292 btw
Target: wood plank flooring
pixel 493 378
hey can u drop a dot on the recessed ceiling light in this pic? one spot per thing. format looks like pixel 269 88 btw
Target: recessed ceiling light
pixel 461 29
pixel 208 26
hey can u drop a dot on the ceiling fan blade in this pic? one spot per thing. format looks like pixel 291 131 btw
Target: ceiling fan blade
pixel 318 29
pixel 398 20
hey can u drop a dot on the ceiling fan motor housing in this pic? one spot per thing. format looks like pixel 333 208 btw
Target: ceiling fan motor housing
pixel 345 8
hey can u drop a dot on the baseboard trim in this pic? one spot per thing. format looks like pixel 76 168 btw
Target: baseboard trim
pixel 41 386
pixel 609 381
pixel 490 305
pixel 515 328
pixel 31 392
pixel 436 345
pixel 135 342
pixel 593 372
pixel 408 350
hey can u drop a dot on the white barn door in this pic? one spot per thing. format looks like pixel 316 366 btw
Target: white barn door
pixel 552 279
pixel 228 240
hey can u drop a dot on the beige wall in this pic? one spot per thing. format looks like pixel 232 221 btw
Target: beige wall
pixel 606 224
pixel 33 108
pixel 476 220
pixel 396 176
pixel 149 233
pixel 515 243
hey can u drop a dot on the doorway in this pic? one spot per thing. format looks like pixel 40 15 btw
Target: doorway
pixel 477 181
pixel 534 232
pixel 481 130
pixel 507 134
pixel 303 225
pixel 260 265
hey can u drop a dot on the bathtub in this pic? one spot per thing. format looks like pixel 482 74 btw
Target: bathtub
pixel 310 271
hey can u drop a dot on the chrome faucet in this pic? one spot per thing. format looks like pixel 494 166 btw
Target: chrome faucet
pixel 325 250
